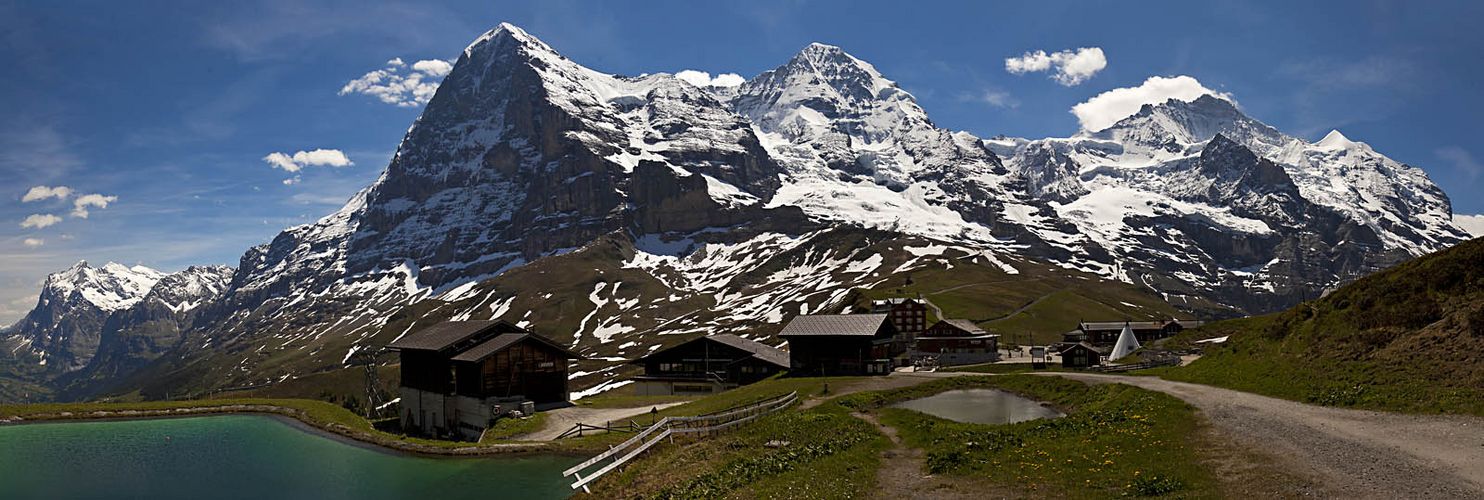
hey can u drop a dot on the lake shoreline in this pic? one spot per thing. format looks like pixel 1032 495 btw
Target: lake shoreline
pixel 298 419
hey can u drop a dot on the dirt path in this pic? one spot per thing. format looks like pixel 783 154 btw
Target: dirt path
pixel 561 419
pixel 1354 453
pixel 903 474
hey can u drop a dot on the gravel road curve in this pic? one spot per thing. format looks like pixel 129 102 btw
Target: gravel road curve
pixel 1356 453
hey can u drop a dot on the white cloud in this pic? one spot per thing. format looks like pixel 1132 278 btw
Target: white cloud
pixel 301 159
pixel 1070 67
pixel 33 242
pixel 1472 224
pixel 393 85
pixel 704 79
pixel 993 97
pixel 433 67
pixel 81 204
pixel 1105 109
pixel 1462 160
pixel 39 193
pixel 39 221
pixel 291 181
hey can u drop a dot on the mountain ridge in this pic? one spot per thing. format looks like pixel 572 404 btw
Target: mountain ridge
pixel 523 156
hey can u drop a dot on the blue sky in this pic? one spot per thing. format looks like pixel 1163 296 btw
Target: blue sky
pixel 170 108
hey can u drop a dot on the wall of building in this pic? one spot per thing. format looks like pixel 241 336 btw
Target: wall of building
pixel 433 414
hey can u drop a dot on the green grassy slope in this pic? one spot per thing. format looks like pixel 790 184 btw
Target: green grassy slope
pixel 1036 305
pixel 1410 339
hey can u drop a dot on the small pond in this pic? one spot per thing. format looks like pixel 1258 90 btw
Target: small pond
pixel 980 406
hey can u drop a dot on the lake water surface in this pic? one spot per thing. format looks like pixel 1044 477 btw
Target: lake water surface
pixel 246 456
pixel 980 406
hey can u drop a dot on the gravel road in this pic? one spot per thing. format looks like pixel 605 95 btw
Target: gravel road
pixel 1353 453
pixel 561 419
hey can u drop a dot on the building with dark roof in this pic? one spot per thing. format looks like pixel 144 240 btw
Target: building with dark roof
pixel 459 376
pixel 952 342
pixel 840 344
pixel 1082 355
pixel 708 364
pixel 1100 333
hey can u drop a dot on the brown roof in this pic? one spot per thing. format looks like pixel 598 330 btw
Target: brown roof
pixel 1136 325
pixel 865 325
pixel 759 350
pixel 448 333
pixel 965 325
pixel 505 340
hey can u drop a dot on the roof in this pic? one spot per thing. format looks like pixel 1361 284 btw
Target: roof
pixel 759 350
pixel 1090 347
pixel 442 335
pixel 884 305
pixel 863 325
pixel 965 325
pixel 1137 325
pixel 505 340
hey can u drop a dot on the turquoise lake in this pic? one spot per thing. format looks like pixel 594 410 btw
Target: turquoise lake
pixel 246 456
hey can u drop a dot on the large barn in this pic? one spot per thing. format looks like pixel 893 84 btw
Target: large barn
pixel 957 342
pixel 459 376
pixel 1101 333
pixel 708 364
pixel 840 344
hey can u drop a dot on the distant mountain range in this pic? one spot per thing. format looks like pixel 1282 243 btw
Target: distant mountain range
pixel 726 209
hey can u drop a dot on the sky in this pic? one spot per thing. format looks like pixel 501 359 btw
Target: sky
pixel 186 132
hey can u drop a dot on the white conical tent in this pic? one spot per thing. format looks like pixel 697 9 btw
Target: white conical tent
pixel 1127 343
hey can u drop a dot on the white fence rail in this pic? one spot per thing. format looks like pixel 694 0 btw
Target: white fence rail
pixel 668 427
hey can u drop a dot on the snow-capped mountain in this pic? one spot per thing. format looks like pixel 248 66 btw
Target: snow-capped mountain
pixel 65 326
pixel 88 317
pixel 1199 195
pixel 616 213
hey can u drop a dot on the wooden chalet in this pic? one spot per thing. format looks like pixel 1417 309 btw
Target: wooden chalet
pixel 957 342
pixel 1106 332
pixel 459 376
pixel 1082 355
pixel 708 364
pixel 840 344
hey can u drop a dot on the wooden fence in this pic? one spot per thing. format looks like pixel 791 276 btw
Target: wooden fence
pixel 1163 361
pixel 668 428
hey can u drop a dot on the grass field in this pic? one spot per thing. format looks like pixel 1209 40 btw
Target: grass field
pixel 1115 440
pixel 828 454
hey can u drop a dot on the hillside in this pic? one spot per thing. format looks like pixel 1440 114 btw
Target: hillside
pixel 1408 339
pixel 620 299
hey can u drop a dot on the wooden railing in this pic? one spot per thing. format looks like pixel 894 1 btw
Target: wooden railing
pixel 668 428
pixel 579 428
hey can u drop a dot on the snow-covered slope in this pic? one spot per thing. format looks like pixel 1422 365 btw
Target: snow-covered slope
pixel 1210 201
